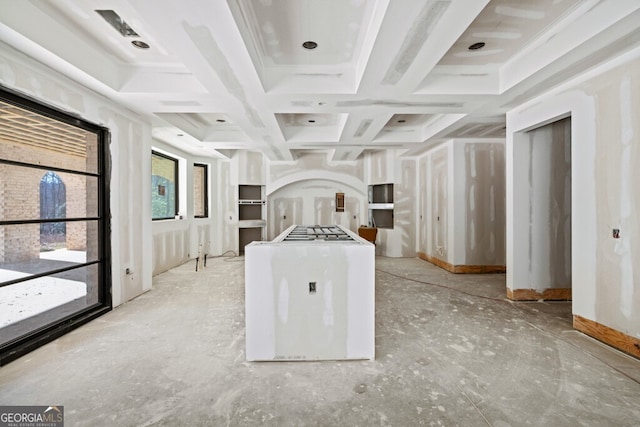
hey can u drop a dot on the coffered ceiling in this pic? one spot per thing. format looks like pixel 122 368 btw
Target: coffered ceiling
pixel 344 76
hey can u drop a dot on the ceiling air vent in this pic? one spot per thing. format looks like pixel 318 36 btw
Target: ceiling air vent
pixel 117 22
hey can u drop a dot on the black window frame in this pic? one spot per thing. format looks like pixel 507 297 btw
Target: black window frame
pixel 205 190
pixel 39 336
pixel 176 207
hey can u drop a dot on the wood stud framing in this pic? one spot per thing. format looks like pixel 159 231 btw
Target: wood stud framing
pixel 23 127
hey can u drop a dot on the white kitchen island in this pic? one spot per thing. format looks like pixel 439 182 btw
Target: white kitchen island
pixel 309 295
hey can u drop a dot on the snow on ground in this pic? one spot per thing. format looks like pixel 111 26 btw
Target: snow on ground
pixel 79 257
pixel 23 300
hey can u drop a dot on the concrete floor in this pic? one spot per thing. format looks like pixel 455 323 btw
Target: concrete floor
pixel 451 352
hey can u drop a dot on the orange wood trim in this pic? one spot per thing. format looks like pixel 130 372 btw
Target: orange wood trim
pixel 462 269
pixel 550 294
pixel 479 269
pixel 437 262
pixel 607 335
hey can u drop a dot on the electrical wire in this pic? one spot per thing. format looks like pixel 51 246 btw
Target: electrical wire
pixel 522 314
pixel 439 285
pixel 231 258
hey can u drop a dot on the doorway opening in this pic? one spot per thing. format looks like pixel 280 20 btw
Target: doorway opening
pixel 543 211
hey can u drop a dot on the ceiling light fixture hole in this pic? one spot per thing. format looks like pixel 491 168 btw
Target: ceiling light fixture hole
pixel 402 121
pixel 477 46
pixel 310 45
pixel 140 44
pixel 221 120
pixel 311 121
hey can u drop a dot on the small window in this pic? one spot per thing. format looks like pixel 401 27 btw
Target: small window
pixel 200 199
pixel 164 186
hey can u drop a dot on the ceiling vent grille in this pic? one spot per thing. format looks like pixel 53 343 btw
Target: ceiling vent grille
pixel 117 23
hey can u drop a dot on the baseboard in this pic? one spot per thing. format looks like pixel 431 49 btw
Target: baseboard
pixel 462 269
pixel 550 294
pixel 435 261
pixel 607 335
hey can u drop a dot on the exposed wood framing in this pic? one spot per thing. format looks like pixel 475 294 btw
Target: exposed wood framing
pixel 463 269
pixel 550 294
pixel 607 335
pixel 23 127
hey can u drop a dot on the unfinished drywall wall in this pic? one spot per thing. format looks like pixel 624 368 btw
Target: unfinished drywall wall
pixel 312 201
pixel 604 105
pixel 303 192
pixel 380 167
pixel 617 174
pixel 281 172
pixel 283 213
pixel 404 206
pixel 483 207
pixel 462 205
pixel 439 203
pixel 389 167
pixel 248 168
pixel 176 241
pixel 130 163
pixel 170 244
pixel 549 170
pixel 224 205
pixel 423 215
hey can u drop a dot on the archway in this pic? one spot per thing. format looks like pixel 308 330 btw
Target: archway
pixel 53 205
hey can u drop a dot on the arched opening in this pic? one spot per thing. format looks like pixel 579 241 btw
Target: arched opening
pixel 53 205
pixel 311 200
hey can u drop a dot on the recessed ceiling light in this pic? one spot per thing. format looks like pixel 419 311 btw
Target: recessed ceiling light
pixel 311 121
pixel 220 120
pixel 477 46
pixel 310 45
pixel 180 134
pixel 140 44
pixel 401 121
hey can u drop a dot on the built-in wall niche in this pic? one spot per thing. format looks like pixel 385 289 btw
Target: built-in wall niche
pixel 250 192
pixel 381 193
pixel 249 211
pixel 381 205
pixel 251 214
pixel 248 235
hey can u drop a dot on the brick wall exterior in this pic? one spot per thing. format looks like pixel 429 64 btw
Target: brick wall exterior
pixel 199 175
pixel 20 197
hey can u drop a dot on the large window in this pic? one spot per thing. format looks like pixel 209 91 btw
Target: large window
pixel 164 186
pixel 200 199
pixel 54 249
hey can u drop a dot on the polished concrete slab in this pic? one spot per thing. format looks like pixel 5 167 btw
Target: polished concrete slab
pixel 450 350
